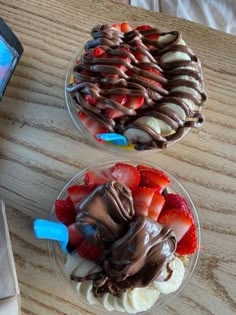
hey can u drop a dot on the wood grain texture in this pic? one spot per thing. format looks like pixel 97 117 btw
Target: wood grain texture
pixel 40 149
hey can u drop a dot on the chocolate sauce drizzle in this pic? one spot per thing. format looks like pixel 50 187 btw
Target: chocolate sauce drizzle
pixel 100 77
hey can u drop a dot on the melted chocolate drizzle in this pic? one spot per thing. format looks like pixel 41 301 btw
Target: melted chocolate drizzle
pixel 114 80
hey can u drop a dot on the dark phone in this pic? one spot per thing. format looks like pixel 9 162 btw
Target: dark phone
pixel 10 53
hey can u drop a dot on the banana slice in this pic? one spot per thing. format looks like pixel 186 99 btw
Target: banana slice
pixel 125 302
pixel 187 89
pixel 105 301
pixel 143 299
pixel 135 135
pixel 115 302
pixel 86 289
pixel 166 39
pixel 176 279
pixel 186 78
pixel 174 56
pixel 79 266
pixel 158 125
pixel 178 110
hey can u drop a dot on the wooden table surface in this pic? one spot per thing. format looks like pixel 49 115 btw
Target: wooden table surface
pixel 40 149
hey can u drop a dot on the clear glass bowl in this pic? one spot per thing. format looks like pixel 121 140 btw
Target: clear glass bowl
pixel 73 110
pixel 59 257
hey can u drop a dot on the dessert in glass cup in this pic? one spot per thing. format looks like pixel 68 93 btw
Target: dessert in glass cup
pixel 134 237
pixel 140 83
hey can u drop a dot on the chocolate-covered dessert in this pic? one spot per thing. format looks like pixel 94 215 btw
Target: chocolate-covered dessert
pixel 144 84
pixel 127 233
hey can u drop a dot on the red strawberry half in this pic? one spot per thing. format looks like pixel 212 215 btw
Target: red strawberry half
pixel 156 206
pixel 96 178
pixel 65 211
pixel 178 220
pixel 188 244
pixel 91 125
pixel 77 193
pixel 75 237
pixel 175 201
pixel 144 27
pixel 142 198
pixel 153 178
pixel 147 202
pixel 89 251
pixel 126 174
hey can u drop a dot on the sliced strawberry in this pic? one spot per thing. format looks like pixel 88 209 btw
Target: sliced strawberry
pixel 126 174
pixel 89 251
pixel 188 244
pixel 113 112
pixel 154 178
pixel 178 220
pixel 144 27
pixel 117 26
pixel 176 201
pixel 91 100
pixel 91 125
pixel 142 198
pixel 156 206
pixel 65 211
pixel 112 73
pixel 97 52
pixel 77 193
pixel 75 237
pixel 153 37
pixel 96 178
pixel 134 102
pixel 141 57
pixel 125 27
pixel 153 70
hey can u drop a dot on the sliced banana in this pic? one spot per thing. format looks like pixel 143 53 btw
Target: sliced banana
pixel 186 89
pixel 175 56
pixel 176 279
pixel 186 78
pixel 143 299
pixel 105 301
pixel 178 110
pixel 135 135
pixel 166 39
pixel 86 289
pixel 115 302
pixel 125 302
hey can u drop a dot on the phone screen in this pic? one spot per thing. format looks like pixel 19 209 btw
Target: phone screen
pixel 8 59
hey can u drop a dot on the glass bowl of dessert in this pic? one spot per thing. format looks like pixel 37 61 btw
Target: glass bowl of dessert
pixel 134 237
pixel 134 89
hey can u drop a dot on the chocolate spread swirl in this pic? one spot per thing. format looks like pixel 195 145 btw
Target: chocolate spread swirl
pixel 139 250
pixel 100 77
pixel 105 214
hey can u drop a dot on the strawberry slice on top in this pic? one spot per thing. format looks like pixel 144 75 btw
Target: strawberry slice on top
pixel 142 197
pixel 65 211
pixel 147 202
pixel 91 125
pixel 126 174
pixel 176 201
pixel 153 178
pixel 188 244
pixel 95 178
pixel 178 220
pixel 77 193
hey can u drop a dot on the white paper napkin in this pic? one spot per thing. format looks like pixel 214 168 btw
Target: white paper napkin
pixel 9 289
pixel 218 14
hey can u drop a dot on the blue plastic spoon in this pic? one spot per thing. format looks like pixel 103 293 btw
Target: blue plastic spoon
pixel 52 231
pixel 115 138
